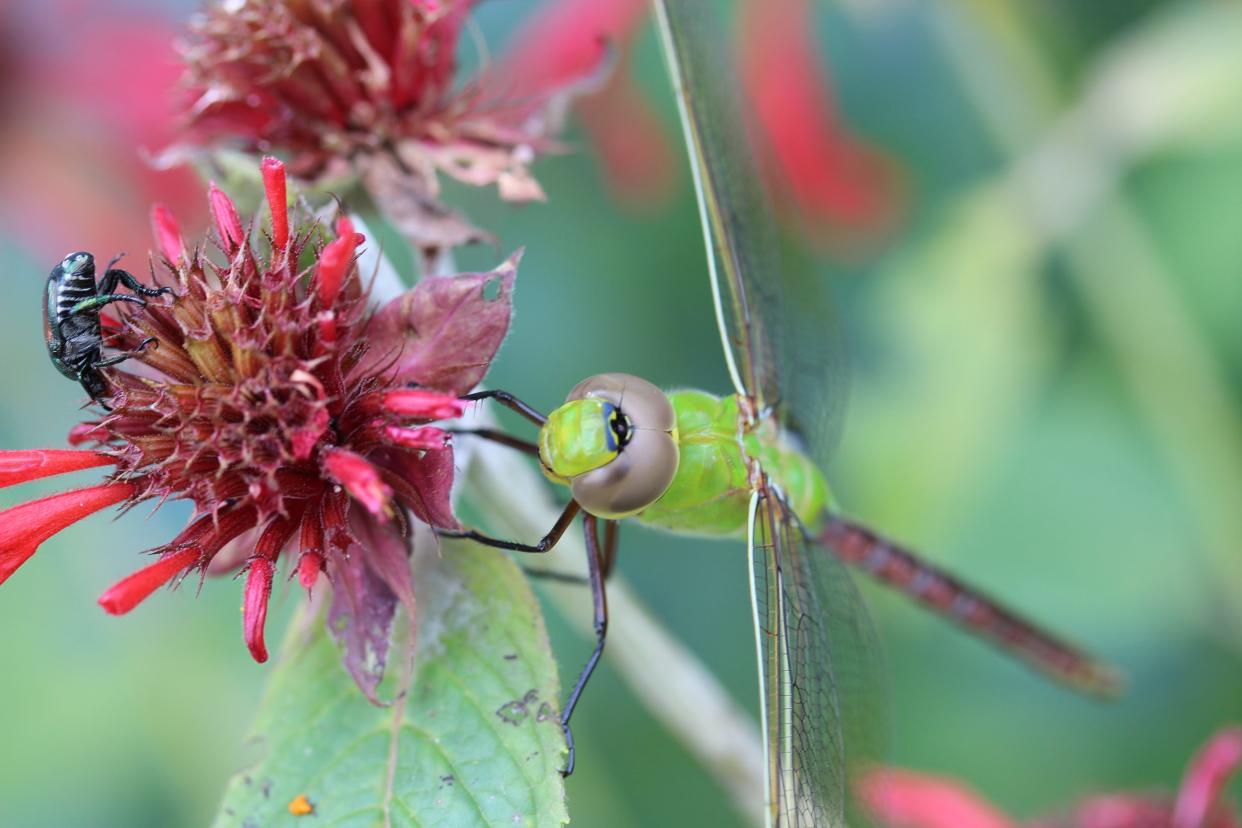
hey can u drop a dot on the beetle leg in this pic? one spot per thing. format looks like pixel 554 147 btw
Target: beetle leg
pixel 94 303
pixel 119 358
pixel 112 276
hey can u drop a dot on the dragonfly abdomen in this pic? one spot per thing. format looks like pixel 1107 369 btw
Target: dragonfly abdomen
pixel 903 570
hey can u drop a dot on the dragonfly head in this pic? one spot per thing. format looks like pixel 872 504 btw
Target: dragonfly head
pixel 614 443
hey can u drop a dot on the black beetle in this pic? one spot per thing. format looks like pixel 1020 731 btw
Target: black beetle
pixel 71 319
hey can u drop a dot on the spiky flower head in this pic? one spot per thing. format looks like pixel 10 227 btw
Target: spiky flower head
pixel 367 87
pixel 295 419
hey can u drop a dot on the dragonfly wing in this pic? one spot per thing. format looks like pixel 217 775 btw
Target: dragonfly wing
pixel 741 243
pixel 822 700
pixel 782 340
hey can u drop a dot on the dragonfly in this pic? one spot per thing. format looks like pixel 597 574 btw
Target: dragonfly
pixel 750 465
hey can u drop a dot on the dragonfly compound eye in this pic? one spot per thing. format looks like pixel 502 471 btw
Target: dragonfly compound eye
pixel 644 460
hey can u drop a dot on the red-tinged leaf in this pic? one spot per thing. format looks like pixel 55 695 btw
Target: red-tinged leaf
pixel 23 466
pixel 902 799
pixel 364 600
pixel 444 332
pixel 23 528
pixel 423 482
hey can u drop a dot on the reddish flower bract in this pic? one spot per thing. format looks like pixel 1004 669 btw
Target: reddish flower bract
pixel 293 418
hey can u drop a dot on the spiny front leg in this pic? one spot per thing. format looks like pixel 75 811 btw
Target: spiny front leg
pixel 114 275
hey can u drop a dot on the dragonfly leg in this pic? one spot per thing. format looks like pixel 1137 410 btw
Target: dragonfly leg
pixel 545 543
pixel 595 566
pixel 610 557
pixel 497 436
pixel 510 402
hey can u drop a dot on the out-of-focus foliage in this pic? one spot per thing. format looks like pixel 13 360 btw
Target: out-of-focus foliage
pixel 1047 397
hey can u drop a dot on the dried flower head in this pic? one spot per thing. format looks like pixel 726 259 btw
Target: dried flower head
pixel 366 86
pixel 290 415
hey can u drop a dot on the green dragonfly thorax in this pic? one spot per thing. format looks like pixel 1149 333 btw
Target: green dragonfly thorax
pixel 710 490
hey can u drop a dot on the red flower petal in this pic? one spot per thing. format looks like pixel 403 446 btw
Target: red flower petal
pixel 427 437
pixel 335 261
pixel 309 567
pixel 24 527
pixel 359 478
pixel 277 200
pixel 228 222
pixel 1210 769
pixel 254 606
pixel 167 233
pixel 132 590
pixel 902 799
pixel 831 177
pixel 420 404
pixel 21 466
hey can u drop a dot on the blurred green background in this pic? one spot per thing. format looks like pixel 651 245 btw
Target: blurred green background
pixel 1046 398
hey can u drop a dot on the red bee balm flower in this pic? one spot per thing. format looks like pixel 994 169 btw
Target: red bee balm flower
pixel 902 799
pixel 367 86
pixel 282 408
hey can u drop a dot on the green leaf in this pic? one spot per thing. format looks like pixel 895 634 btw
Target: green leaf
pixel 476 742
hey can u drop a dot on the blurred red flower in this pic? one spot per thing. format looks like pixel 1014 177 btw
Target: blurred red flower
pixel 267 394
pixel 831 181
pixel 902 799
pixel 85 89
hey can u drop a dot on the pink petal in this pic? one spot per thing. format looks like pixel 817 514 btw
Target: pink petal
pixel 427 437
pixel 309 567
pixel 420 404
pixel 22 466
pixel 23 528
pixel 444 332
pixel 359 478
pixel 167 233
pixel 902 799
pixel 277 200
pixel 1209 771
pixel 228 222
pixel 832 178
pixel 132 590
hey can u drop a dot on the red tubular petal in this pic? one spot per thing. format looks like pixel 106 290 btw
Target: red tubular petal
pixel 167 233
pixel 831 176
pixel 24 527
pixel 228 222
pixel 21 466
pixel 902 799
pixel 427 437
pixel 309 567
pixel 335 261
pixel 87 433
pixel 1211 768
pixel 277 200
pixel 360 479
pixel 131 591
pixel 254 606
pixel 420 404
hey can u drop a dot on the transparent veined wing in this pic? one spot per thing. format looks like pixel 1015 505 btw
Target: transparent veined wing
pixel 781 337
pixel 822 699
